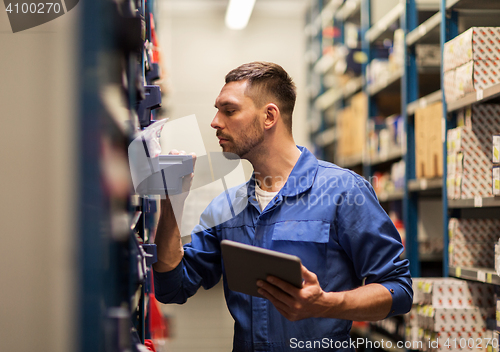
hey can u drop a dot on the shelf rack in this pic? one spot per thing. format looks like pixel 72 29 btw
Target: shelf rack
pixel 423 102
pixel 480 96
pixel 434 24
pixel 113 278
pixel 451 11
pixel 404 83
pixel 478 202
pixel 486 275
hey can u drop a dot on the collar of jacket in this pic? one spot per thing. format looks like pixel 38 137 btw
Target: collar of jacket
pixel 300 179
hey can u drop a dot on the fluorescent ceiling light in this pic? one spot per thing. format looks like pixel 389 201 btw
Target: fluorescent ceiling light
pixel 238 13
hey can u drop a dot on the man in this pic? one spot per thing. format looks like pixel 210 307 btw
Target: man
pixel 326 215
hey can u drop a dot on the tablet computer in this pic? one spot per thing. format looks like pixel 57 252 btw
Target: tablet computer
pixel 245 264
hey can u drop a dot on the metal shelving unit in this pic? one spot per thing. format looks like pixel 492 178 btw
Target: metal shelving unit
pixel 423 102
pixel 478 202
pixel 424 184
pixel 113 277
pixel 391 82
pixel 451 13
pixel 433 24
pixel 392 155
pixel 390 196
pixel 486 275
pixel 480 96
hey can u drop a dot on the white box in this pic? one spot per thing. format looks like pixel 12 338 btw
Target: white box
pixel 475 75
pixel 496 148
pixel 476 43
pixel 496 180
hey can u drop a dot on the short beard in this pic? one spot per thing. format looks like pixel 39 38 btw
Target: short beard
pixel 247 142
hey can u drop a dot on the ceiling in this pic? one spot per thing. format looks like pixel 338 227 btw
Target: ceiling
pixel 278 8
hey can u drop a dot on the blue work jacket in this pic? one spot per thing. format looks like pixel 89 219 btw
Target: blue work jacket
pixel 326 215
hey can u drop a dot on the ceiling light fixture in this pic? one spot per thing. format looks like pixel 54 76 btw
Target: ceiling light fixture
pixel 238 13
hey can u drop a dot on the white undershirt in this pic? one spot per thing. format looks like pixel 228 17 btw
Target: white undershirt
pixel 263 197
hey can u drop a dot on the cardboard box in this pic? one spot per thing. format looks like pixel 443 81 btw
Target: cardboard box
pixel 475 75
pixel 344 123
pixel 497 269
pixel 496 148
pixel 472 254
pixel 428 145
pixel 452 293
pixel 352 126
pixel 469 149
pixel 495 180
pixel 476 43
pixel 474 185
pixel 451 91
pixel 462 320
pixel 473 230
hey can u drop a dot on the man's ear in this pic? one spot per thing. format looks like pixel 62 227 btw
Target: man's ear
pixel 272 115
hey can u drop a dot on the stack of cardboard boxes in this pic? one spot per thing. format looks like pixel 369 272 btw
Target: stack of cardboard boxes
pixel 471 62
pixel 496 165
pixel 428 141
pixel 351 122
pixel 472 242
pixel 447 313
pixel 469 149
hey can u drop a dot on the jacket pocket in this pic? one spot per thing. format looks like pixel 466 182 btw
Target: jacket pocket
pixel 304 231
pixel 309 241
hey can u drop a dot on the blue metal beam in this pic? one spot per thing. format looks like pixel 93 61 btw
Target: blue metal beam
pixel 409 93
pixel 449 30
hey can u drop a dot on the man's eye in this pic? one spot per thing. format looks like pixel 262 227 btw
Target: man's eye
pixel 230 112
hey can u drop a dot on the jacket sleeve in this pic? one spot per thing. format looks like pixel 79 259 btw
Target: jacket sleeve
pixel 372 242
pixel 200 266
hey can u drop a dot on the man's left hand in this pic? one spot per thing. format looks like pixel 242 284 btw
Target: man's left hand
pixel 297 303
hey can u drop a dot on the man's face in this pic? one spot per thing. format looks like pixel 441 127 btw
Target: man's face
pixel 239 123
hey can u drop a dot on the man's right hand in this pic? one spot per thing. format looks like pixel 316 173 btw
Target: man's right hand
pixel 168 235
pixel 186 180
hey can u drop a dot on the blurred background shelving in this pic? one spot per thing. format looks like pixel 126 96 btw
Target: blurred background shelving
pixel 393 132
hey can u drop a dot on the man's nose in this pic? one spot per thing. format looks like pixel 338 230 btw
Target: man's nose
pixel 216 123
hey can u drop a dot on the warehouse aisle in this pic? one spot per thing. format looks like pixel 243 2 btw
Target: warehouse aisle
pixel 201 324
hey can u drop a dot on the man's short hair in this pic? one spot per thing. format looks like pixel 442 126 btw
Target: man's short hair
pixel 267 82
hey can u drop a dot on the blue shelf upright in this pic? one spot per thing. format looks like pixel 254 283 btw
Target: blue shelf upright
pixel 449 30
pixel 409 93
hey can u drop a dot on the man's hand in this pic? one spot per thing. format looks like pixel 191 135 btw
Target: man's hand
pixel 297 303
pixel 168 235
pixel 366 303
pixel 186 180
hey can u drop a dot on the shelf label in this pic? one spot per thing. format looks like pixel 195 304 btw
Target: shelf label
pixel 489 278
pixel 458 271
pixel 479 94
pixel 478 202
pixel 423 184
pixel 481 276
